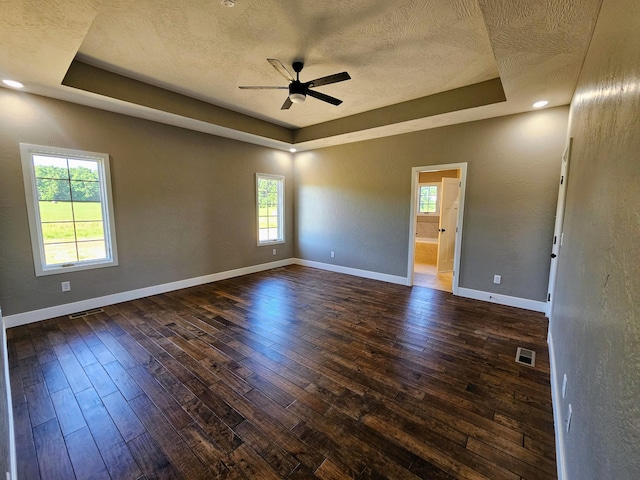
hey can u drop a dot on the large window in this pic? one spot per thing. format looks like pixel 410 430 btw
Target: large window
pixel 70 209
pixel 270 200
pixel 428 203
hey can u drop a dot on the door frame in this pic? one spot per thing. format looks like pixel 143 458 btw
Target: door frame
pixel 558 228
pixel 415 171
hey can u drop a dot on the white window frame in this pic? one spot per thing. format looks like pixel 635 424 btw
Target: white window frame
pixel 280 179
pixel 27 151
pixel 429 184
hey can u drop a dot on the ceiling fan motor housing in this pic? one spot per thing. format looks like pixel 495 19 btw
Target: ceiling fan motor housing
pixel 297 91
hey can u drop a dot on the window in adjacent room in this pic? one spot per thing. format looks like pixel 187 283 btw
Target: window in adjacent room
pixel 70 209
pixel 428 203
pixel 270 202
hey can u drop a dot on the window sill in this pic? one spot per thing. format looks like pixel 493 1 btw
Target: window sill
pixel 40 272
pixel 271 242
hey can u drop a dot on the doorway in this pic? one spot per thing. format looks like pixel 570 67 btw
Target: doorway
pixel 436 226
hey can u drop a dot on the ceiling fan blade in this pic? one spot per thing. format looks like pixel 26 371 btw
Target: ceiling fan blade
pixel 287 104
pixel 277 64
pixel 324 98
pixel 259 87
pixel 336 77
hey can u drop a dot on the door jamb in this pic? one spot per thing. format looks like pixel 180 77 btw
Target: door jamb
pixel 412 224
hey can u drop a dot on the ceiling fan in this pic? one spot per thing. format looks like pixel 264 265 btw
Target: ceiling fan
pixel 298 90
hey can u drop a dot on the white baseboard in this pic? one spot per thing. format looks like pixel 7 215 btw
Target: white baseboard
pixel 69 308
pixel 384 277
pixel 556 402
pixel 503 299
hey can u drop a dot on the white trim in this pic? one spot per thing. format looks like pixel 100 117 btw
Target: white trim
pixel 384 277
pixel 415 171
pixel 503 299
pixel 557 417
pixel 68 308
pixel 13 463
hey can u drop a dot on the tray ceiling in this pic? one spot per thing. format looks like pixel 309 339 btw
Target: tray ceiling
pixel 414 63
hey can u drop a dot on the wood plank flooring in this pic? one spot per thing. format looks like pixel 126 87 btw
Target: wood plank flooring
pixel 291 373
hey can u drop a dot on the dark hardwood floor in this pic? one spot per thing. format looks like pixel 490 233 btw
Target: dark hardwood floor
pixel 291 373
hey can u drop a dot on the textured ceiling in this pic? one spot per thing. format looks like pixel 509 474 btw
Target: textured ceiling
pixel 394 51
pixel 403 57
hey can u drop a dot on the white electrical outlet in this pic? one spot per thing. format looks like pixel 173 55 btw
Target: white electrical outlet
pixel 333 254
pixel 66 286
pixel 564 386
pixel 568 420
pixel 274 251
pixel 497 279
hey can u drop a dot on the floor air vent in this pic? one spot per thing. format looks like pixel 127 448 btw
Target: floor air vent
pixel 86 312
pixel 526 357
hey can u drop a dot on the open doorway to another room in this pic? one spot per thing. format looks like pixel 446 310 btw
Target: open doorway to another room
pixel 436 217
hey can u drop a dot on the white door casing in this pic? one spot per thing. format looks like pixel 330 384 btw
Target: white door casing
pixel 462 166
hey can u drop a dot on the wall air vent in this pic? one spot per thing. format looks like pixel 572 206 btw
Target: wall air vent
pixel 86 312
pixel 526 357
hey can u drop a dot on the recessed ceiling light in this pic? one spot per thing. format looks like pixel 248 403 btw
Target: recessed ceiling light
pixel 13 84
pixel 540 104
pixel 292 150
pixel 228 3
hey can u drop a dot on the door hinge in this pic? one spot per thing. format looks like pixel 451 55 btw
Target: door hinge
pixel 460 184
pixel 561 179
pixel 555 239
pixel 548 297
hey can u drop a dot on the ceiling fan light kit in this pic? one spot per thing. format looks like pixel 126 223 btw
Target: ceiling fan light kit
pixel 298 90
pixel 297 97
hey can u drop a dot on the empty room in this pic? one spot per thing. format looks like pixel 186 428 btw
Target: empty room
pixel 281 239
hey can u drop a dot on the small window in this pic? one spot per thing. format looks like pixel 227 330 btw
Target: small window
pixel 70 209
pixel 428 203
pixel 270 195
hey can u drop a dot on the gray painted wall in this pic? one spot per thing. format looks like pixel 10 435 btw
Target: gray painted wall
pixel 595 325
pixel 184 201
pixel 355 199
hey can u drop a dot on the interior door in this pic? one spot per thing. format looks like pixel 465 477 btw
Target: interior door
pixel 449 205
pixel 557 231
